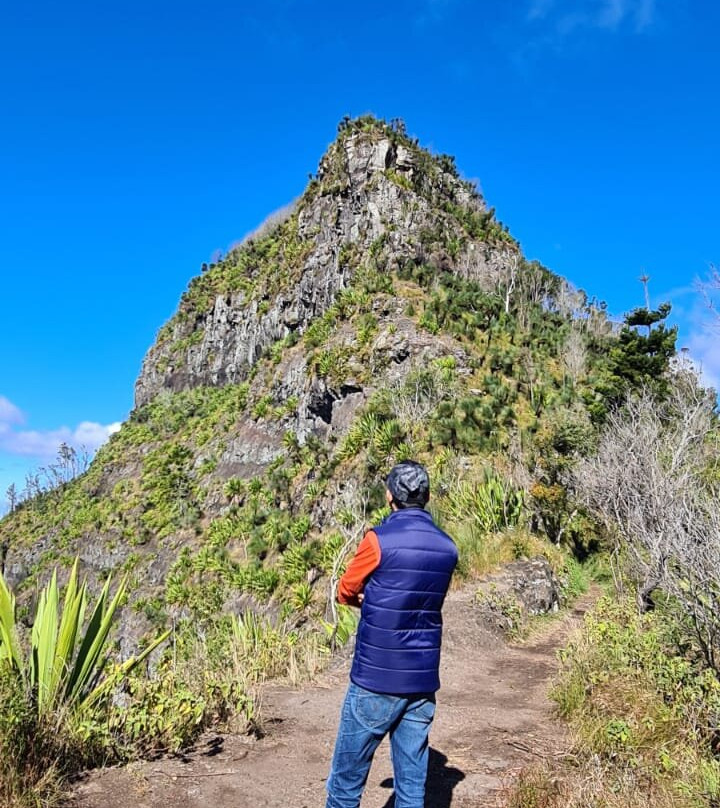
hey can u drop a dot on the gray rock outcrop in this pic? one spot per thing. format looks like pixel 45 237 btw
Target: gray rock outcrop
pixel 520 589
pixel 363 193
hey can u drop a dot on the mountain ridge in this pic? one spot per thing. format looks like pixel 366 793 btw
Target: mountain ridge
pixel 389 315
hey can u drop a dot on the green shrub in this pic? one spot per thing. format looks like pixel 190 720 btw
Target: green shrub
pixel 270 649
pixel 64 664
pixel 491 503
pixel 642 704
pixel 575 579
pixel 262 407
pixel 35 754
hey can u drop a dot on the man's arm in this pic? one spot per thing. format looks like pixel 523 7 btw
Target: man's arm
pixel 364 562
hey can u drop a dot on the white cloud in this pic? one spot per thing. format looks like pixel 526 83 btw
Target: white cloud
pixel 92 435
pixel 559 27
pixel 704 350
pixel 539 9
pixel 10 415
pixel 699 334
pixel 566 16
pixel 43 444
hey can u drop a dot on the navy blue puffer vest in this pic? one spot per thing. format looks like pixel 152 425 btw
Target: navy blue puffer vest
pixel 398 641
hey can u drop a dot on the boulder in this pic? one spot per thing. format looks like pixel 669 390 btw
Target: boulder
pixel 534 584
pixel 521 589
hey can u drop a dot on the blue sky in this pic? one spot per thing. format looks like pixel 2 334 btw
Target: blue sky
pixel 139 138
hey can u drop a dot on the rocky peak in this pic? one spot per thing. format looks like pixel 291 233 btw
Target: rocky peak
pixel 377 194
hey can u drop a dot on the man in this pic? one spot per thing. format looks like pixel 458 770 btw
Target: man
pixel 400 576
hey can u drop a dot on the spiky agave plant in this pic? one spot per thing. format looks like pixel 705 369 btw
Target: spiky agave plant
pixel 10 653
pixel 67 658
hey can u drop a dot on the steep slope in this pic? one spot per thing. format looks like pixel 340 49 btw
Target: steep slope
pixel 388 314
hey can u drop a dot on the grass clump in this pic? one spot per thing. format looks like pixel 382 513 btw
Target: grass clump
pixel 36 752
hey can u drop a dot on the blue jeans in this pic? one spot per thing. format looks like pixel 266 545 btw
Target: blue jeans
pixel 365 720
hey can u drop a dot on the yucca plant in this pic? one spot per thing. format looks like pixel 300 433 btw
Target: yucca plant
pixel 387 437
pixel 65 663
pixel 330 547
pixel 313 490
pixel 234 489
pixel 360 435
pixel 300 527
pixel 296 561
pixel 301 596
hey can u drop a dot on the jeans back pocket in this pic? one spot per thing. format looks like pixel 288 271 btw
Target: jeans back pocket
pixel 376 711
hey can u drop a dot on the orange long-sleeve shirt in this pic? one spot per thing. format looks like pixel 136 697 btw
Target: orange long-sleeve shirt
pixel 364 562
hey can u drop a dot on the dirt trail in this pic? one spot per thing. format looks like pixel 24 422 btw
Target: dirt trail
pixel 493 718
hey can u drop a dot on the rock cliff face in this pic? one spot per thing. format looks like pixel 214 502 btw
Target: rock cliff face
pixel 373 192
pixel 325 407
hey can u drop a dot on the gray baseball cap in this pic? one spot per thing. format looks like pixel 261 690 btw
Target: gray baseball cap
pixel 409 484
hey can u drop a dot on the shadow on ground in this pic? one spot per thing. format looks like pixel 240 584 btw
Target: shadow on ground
pixel 441 782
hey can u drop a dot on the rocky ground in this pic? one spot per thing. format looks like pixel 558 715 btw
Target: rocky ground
pixel 493 719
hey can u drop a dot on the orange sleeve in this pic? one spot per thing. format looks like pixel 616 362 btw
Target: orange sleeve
pixel 359 569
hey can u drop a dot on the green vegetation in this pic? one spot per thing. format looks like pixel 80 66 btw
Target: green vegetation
pixel 638 359
pixel 58 711
pixel 231 510
pixel 259 268
pixel 645 715
pixel 63 666
pixel 55 690
pixel 641 686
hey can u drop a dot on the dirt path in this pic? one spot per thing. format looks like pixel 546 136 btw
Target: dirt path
pixel 493 718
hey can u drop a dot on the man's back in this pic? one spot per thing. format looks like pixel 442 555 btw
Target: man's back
pixel 400 631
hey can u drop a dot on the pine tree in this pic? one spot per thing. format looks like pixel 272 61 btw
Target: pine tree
pixel 637 360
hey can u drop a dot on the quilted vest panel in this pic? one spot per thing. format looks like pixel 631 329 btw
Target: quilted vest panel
pixel 400 632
